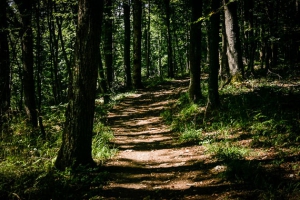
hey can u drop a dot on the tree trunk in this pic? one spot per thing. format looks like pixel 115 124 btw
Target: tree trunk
pixel 137 38
pixel 213 42
pixel 4 65
pixel 25 8
pixel 248 9
pixel 169 40
pixel 148 40
pixel 234 52
pixel 76 148
pixel 39 69
pixel 224 70
pixel 108 41
pixel 195 52
pixel 102 81
pixel 126 8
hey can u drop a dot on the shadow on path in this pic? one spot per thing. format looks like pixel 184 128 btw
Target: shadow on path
pixel 150 163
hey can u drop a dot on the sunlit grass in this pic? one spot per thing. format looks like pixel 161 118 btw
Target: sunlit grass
pixel 27 161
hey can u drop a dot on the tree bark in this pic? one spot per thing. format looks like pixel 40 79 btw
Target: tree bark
pixel 169 39
pixel 137 38
pixel 4 65
pixel 25 8
pixel 126 8
pixel 224 73
pixel 39 69
pixel 234 52
pixel 76 148
pixel 195 52
pixel 148 40
pixel 213 42
pixel 108 41
pixel 248 9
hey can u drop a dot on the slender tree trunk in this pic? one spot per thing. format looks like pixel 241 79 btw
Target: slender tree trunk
pixel 53 43
pixel 195 52
pixel 4 65
pixel 108 41
pixel 213 42
pixel 234 52
pixel 76 148
pixel 160 70
pixel 25 8
pixel 248 9
pixel 102 81
pixel 148 40
pixel 39 70
pixel 137 38
pixel 126 8
pixel 169 39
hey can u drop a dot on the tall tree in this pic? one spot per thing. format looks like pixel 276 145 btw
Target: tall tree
pixel 195 51
pixel 250 48
pixel 53 45
pixel 234 52
pixel 25 9
pixel 126 8
pixel 77 135
pixel 148 39
pixel 39 67
pixel 169 39
pixel 108 40
pixel 213 42
pixel 4 64
pixel 137 39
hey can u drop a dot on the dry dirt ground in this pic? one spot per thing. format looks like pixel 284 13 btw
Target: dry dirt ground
pixel 151 163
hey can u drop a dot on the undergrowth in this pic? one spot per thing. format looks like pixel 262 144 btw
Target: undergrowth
pixel 256 117
pixel 26 160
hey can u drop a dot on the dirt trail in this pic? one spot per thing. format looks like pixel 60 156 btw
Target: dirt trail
pixel 151 164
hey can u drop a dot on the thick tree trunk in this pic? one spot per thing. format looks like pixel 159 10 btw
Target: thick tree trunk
pixel 108 41
pixel 4 65
pixel 195 52
pixel 234 52
pixel 77 135
pixel 126 8
pixel 224 73
pixel 137 38
pixel 213 42
pixel 25 8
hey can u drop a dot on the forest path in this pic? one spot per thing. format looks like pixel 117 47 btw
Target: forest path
pixel 151 164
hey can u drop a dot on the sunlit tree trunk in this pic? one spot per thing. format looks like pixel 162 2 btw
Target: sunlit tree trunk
pixel 195 51
pixel 76 148
pixel 4 65
pixel 137 38
pixel 25 8
pixel 102 81
pixel 224 73
pixel 234 52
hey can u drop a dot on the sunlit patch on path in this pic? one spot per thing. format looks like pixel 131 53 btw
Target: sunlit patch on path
pixel 150 162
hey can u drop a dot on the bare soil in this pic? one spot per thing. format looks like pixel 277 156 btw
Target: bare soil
pixel 151 163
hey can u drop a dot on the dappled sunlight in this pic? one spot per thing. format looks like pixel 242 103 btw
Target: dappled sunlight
pixel 152 162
